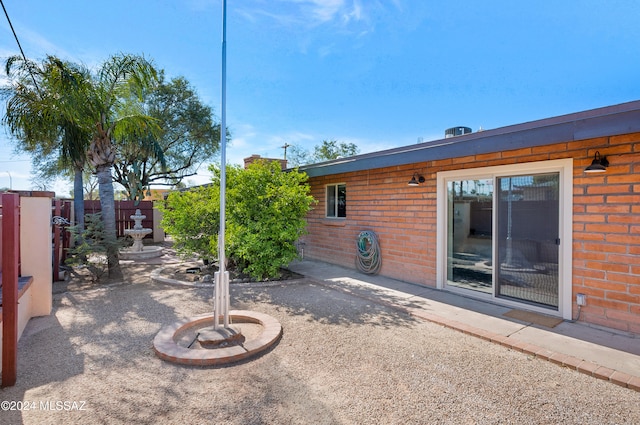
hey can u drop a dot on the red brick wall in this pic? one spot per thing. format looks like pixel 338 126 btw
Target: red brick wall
pixel 403 217
pixel 606 222
pixel 606 235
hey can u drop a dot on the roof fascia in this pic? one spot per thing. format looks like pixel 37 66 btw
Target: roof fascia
pixel 601 122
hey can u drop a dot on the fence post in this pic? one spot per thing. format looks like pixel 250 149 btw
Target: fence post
pixel 10 252
pixel 56 241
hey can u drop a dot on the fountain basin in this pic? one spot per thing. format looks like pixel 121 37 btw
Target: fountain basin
pixel 137 235
pixel 146 253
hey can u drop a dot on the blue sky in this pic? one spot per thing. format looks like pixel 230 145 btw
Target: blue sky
pixel 377 73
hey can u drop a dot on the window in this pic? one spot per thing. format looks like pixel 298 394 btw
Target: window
pixel 337 200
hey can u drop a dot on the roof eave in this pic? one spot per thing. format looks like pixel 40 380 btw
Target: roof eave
pixel 608 121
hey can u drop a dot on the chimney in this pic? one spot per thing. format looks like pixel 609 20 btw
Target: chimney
pixel 254 158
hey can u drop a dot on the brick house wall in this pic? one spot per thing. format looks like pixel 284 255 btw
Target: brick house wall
pixel 606 221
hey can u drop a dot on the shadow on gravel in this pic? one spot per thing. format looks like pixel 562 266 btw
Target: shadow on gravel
pixel 97 347
pixel 321 303
pixel 46 355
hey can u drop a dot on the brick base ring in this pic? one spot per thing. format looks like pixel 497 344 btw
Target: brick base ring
pixel 166 346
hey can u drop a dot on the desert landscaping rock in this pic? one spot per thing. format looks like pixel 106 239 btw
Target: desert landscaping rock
pixel 342 359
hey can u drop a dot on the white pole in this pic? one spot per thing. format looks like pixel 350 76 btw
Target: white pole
pixel 221 291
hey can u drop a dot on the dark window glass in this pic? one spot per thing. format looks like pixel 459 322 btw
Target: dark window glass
pixel 337 200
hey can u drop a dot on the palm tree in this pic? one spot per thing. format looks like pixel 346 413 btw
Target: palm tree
pixel 60 113
pixel 39 98
pixel 114 110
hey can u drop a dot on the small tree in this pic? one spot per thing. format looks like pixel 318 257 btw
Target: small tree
pixel 91 251
pixel 189 136
pixel 332 149
pixel 328 150
pixel 266 211
pixel 113 111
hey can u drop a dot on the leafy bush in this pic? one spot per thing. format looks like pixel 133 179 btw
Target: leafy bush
pixel 266 211
pixel 192 218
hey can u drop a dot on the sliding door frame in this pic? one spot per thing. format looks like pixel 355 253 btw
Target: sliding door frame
pixel 565 169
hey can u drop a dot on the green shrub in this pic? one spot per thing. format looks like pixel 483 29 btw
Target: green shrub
pixel 266 211
pixel 192 218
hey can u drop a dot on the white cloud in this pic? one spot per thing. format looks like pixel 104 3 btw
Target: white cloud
pixel 306 13
pixel 36 46
pixel 324 10
pixel 248 140
pixel 293 137
pixel 40 45
pixel 317 24
pixel 355 13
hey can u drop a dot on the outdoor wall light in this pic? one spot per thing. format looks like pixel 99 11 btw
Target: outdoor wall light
pixel 416 180
pixel 598 165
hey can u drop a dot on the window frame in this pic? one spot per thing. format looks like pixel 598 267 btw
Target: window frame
pixel 335 193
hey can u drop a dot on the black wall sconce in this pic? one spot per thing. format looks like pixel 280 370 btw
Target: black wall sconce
pixel 598 165
pixel 416 180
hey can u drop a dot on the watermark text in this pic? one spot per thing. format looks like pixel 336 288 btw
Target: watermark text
pixel 49 405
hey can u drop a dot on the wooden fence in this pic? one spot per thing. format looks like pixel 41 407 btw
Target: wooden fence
pixel 124 211
pixel 62 214
pixel 9 225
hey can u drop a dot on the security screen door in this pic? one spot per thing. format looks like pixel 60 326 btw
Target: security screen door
pixel 502 237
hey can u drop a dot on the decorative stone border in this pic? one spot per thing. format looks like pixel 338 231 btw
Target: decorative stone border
pixel 166 347
pixel 156 276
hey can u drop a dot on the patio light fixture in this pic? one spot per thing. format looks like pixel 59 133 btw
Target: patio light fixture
pixel 416 180
pixel 598 165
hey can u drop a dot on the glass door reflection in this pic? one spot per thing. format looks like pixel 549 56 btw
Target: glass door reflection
pixel 469 234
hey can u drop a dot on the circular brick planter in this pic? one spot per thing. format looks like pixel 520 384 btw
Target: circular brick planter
pixel 166 345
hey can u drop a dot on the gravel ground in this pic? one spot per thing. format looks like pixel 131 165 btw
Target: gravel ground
pixel 341 360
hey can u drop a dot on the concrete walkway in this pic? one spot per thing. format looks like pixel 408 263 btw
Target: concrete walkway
pixel 604 354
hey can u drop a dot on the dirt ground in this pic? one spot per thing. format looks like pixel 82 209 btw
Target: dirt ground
pixel 341 360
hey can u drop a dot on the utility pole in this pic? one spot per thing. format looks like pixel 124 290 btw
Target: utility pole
pixel 286 145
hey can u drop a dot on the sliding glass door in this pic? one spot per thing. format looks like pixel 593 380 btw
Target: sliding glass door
pixel 470 234
pixel 528 238
pixel 502 237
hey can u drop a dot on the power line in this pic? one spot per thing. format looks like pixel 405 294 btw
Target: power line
pixel 18 42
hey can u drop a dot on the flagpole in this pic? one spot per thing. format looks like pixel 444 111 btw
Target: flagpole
pixel 221 289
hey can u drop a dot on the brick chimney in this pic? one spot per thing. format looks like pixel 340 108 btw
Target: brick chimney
pixel 254 158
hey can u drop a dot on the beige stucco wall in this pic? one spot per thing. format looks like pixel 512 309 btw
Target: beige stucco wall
pixel 36 259
pixel 36 251
pixel 158 231
pixel 25 307
pixel 24 314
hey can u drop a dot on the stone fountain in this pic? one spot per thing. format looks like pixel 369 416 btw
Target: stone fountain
pixel 138 251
